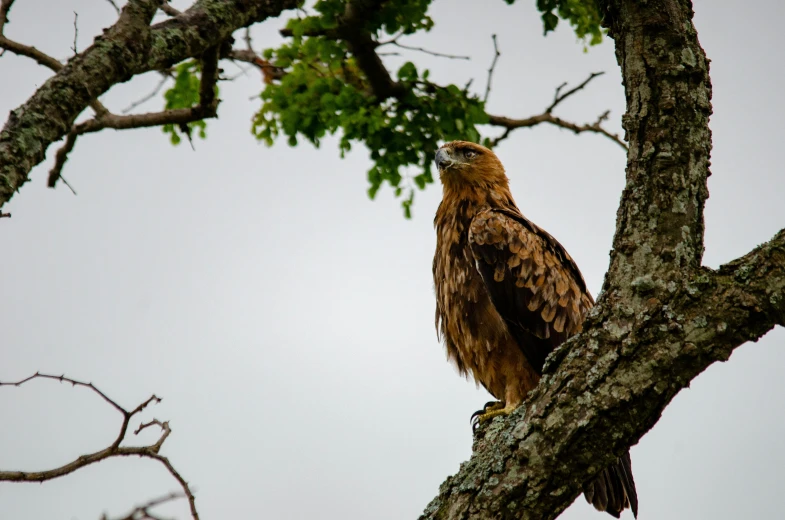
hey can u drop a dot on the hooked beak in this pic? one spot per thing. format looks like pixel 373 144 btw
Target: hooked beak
pixel 443 159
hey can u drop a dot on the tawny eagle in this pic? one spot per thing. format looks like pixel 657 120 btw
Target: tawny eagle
pixel 507 294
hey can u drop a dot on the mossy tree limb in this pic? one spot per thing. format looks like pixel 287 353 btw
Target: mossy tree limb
pixel 130 47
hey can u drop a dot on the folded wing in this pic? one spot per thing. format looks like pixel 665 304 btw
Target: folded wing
pixel 533 283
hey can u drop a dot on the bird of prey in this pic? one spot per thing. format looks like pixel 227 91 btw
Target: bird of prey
pixel 507 294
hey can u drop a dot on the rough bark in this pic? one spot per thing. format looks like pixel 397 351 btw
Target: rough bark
pixel 128 48
pixel 661 318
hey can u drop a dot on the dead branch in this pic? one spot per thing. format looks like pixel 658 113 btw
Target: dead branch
pixel 558 97
pixel 114 450
pixel 425 51
pixel 148 97
pixel 113 4
pixel 546 116
pixel 496 55
pixel 142 512
pixel 76 33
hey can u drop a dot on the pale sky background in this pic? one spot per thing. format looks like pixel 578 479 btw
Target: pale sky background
pixel 287 320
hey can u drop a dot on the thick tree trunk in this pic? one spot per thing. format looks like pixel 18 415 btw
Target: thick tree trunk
pixel 661 318
pixel 128 48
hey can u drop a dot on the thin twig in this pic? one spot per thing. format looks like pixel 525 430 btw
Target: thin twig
pixel 5 215
pixel 207 108
pixel 42 59
pixel 68 184
pixel 76 33
pixel 496 55
pixel 112 2
pixel 432 53
pixel 559 97
pixel 151 451
pixel 148 97
pixel 513 124
pixel 247 38
pixel 142 512
pixel 510 124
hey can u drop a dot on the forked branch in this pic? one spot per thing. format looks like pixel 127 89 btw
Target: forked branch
pixel 114 450
pixel 207 108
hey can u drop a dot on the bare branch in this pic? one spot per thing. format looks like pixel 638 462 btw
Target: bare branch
pixel 207 108
pixel 496 55
pixel 30 52
pixel 168 9
pixel 68 185
pixel 247 38
pixel 269 71
pixel 76 33
pixel 43 59
pixel 151 451
pixel 559 97
pixel 426 51
pixel 142 512
pixel 113 4
pixel 5 7
pixel 510 124
pixel 148 97
pixel 5 215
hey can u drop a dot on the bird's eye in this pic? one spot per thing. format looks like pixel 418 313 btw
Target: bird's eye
pixel 470 154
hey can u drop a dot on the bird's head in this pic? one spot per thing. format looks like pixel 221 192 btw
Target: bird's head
pixel 466 165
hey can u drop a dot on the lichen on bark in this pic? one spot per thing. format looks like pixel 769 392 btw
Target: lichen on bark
pixel 660 319
pixel 130 47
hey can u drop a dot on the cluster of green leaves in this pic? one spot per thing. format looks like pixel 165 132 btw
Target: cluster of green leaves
pixel 583 15
pixel 323 92
pixel 185 94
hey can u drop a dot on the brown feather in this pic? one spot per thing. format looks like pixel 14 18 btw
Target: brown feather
pixel 507 294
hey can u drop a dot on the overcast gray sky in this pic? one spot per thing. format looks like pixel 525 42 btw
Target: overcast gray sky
pixel 288 321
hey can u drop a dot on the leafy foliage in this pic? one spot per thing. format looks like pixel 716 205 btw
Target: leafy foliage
pixel 583 15
pixel 184 94
pixel 323 91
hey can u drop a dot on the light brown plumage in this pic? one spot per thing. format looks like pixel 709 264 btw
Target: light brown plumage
pixel 507 294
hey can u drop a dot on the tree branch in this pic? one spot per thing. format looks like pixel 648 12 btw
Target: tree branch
pixel 142 512
pixel 5 7
pixel 558 97
pixel 547 116
pixel 168 9
pixel 128 48
pixel 425 51
pixel 114 450
pixel 496 55
pixel 661 318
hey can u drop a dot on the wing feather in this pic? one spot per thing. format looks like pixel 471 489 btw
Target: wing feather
pixel 533 283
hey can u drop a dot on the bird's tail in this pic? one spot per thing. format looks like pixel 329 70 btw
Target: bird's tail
pixel 613 490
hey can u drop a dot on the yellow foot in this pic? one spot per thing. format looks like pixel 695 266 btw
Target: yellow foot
pixel 489 411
